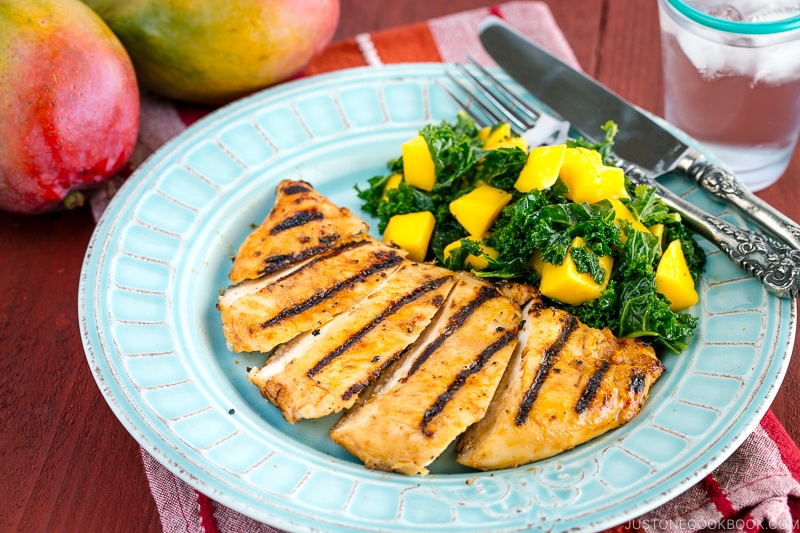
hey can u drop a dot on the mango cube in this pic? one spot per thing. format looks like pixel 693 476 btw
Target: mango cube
pixel 418 168
pixel 588 179
pixel 564 283
pixel 674 280
pixel 392 183
pixel 612 183
pixel 477 210
pixel 490 137
pixel 476 262
pixel 542 168
pixel 658 231
pixel 411 232
pixel 509 142
pixel 621 212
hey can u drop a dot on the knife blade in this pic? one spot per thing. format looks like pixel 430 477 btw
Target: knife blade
pixel 587 105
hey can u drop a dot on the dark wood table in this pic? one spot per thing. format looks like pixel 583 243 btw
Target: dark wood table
pixel 66 463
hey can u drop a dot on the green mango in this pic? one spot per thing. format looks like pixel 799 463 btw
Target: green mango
pixel 214 51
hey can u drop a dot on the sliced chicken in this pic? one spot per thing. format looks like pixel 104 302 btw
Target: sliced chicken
pixel 566 384
pixel 324 371
pixel 303 223
pixel 259 315
pixel 439 387
pixel 519 293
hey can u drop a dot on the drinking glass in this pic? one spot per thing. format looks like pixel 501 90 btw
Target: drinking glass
pixel 732 80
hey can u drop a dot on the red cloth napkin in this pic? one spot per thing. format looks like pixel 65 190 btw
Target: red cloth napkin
pixel 757 488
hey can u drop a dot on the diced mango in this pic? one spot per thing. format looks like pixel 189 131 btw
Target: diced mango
pixel 477 210
pixel 658 231
pixel 621 212
pixel 674 280
pixel 564 283
pixel 411 232
pixel 542 168
pixel 588 180
pixel 392 183
pixel 476 262
pixel 418 168
pixel 480 263
pixel 448 250
pixel 494 136
pixel 612 183
pixel 508 142
pixel 577 157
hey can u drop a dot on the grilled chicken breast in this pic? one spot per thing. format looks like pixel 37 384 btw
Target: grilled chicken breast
pixel 260 314
pixel 566 384
pixel 303 223
pixel 439 387
pixel 324 371
pixel 418 355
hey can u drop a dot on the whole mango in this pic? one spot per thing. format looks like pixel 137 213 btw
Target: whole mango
pixel 214 51
pixel 69 103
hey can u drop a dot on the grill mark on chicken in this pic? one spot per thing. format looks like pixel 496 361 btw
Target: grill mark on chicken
pixel 300 218
pixel 461 378
pixel 590 390
pixel 637 383
pixel 387 259
pixel 279 262
pixel 484 295
pixel 393 308
pixel 330 253
pixel 301 224
pixel 357 388
pixel 296 188
pixel 549 358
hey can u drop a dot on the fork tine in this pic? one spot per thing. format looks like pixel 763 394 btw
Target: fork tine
pixel 485 91
pixel 462 105
pixel 545 126
pixel 472 103
pixel 492 100
pixel 532 113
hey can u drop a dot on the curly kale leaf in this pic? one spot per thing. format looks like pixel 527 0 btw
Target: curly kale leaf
pixel 649 209
pixel 399 201
pixel 605 146
pixel 452 154
pixel 458 256
pixel 500 168
pixel 372 196
pixel 447 230
pixel 645 313
pixel 587 261
pixel 600 313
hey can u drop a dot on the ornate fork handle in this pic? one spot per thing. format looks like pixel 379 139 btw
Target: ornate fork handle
pixel 774 263
pixel 726 186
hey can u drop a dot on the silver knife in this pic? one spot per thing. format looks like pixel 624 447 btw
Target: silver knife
pixel 587 104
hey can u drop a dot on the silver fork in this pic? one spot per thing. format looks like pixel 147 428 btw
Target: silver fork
pixel 488 101
pixel 491 104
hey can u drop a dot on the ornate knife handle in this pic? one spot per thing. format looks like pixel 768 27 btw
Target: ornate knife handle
pixel 727 187
pixel 774 263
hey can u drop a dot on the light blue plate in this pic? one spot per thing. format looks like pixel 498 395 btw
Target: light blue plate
pixel 161 254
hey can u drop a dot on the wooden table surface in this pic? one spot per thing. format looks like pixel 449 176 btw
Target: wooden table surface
pixel 66 463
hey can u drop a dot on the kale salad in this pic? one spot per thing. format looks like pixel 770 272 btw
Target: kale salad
pixel 613 252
